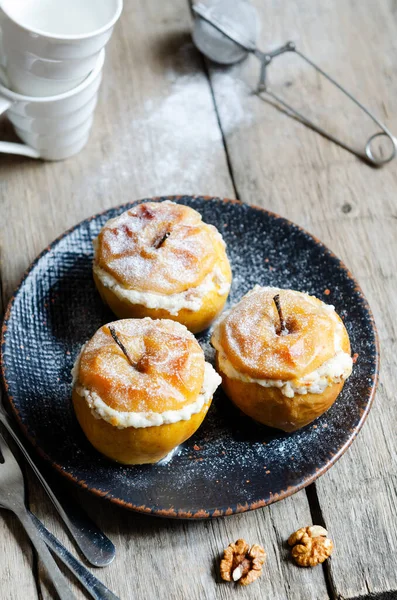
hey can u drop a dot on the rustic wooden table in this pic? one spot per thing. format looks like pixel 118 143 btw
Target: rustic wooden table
pixel 168 122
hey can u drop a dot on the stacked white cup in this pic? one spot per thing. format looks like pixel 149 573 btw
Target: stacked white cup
pixel 51 56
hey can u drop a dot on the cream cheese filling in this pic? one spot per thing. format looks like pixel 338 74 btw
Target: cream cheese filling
pixel 336 369
pixel 121 420
pixel 191 299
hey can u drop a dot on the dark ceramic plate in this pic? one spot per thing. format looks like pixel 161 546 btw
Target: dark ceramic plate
pixel 231 464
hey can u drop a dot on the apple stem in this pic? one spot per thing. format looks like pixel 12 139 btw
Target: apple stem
pixel 121 346
pixel 160 241
pixel 282 330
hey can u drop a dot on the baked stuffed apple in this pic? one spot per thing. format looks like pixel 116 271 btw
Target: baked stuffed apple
pixel 283 356
pixel 160 260
pixel 140 388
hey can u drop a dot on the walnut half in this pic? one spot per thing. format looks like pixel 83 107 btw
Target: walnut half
pixel 242 563
pixel 310 546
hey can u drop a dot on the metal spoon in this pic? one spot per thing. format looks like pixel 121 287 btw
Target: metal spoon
pixel 12 497
pixel 94 545
pixel 94 587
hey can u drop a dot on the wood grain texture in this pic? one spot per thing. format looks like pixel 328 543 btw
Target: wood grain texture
pixel 17 572
pixel 291 170
pixel 18 565
pixel 156 132
pixel 179 560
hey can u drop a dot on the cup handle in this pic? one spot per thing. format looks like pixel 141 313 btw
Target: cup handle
pixel 10 147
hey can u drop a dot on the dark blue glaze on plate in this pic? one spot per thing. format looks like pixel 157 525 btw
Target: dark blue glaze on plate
pixel 231 464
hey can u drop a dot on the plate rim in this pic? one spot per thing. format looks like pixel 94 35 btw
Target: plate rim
pixel 200 514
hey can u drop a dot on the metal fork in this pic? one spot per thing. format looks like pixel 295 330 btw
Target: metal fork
pixel 93 586
pixel 12 497
pixel 93 543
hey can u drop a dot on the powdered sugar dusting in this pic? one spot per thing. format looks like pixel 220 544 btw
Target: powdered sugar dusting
pixel 150 418
pixel 232 93
pixel 161 248
pixel 306 359
pixel 164 371
pixel 230 460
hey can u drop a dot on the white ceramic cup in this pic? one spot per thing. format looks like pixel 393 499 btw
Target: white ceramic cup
pixel 54 127
pixel 48 47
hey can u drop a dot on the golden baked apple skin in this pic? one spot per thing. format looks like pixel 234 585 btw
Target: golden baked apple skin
pixel 134 446
pixel 268 405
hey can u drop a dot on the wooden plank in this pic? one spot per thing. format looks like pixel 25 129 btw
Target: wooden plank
pixel 369 497
pixel 179 560
pixel 156 132
pixel 17 567
pixel 183 555
pixel 281 165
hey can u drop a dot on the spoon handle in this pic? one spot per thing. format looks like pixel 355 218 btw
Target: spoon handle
pixel 94 545
pixel 93 586
pixel 59 581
